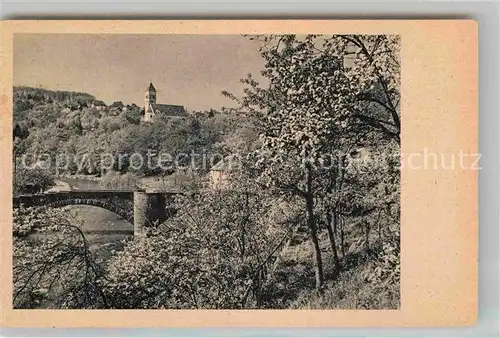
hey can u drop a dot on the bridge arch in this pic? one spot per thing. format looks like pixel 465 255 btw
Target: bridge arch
pixel 127 215
pixel 140 208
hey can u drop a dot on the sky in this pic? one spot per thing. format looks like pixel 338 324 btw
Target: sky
pixel 189 70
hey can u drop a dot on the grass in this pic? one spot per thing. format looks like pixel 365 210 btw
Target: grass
pixel 293 283
pixel 349 291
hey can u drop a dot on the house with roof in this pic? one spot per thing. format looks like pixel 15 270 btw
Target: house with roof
pixel 151 108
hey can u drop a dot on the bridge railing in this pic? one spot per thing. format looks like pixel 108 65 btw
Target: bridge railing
pixel 48 197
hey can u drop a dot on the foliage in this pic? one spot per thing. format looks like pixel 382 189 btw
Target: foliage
pixel 384 274
pixel 306 113
pixel 115 181
pixel 350 291
pixel 372 66
pixel 74 130
pixel 388 271
pixel 308 218
pixel 52 264
pixel 25 98
pixel 326 97
pixel 213 254
pixel 27 181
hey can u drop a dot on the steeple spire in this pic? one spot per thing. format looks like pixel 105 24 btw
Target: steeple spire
pixel 151 88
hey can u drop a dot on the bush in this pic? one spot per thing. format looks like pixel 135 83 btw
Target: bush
pixel 213 254
pixel 115 181
pixel 52 264
pixel 384 274
pixel 351 291
pixel 27 181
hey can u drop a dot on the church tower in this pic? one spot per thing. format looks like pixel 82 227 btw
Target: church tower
pixel 149 102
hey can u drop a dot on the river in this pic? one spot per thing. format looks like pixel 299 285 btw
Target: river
pixel 104 229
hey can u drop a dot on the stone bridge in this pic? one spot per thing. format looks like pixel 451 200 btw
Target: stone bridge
pixel 141 208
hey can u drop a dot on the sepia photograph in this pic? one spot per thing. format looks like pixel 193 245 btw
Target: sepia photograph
pixel 206 171
pixel 239 173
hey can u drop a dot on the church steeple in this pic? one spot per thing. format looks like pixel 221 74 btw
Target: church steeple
pixel 151 108
pixel 149 102
pixel 151 88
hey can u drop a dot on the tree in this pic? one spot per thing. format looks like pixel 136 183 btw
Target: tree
pixel 214 254
pixel 305 113
pixel 372 65
pixel 26 180
pixel 373 190
pixel 52 264
pixel 326 95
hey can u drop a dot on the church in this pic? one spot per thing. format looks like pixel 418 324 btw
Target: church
pixel 152 109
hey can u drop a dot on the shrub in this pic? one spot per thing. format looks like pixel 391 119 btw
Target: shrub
pixel 213 254
pixel 52 264
pixel 115 181
pixel 32 180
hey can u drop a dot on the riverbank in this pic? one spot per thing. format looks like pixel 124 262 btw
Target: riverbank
pixel 122 182
pixel 79 183
pixel 60 186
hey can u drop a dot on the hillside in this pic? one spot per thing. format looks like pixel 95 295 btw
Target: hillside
pixel 83 130
pixel 29 98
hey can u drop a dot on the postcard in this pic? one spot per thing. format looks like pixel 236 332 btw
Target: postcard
pixel 239 173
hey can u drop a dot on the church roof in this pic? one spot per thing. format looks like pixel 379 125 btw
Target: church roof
pixel 151 88
pixel 170 109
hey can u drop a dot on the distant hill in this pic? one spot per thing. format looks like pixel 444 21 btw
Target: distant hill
pixel 48 96
pixel 26 99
